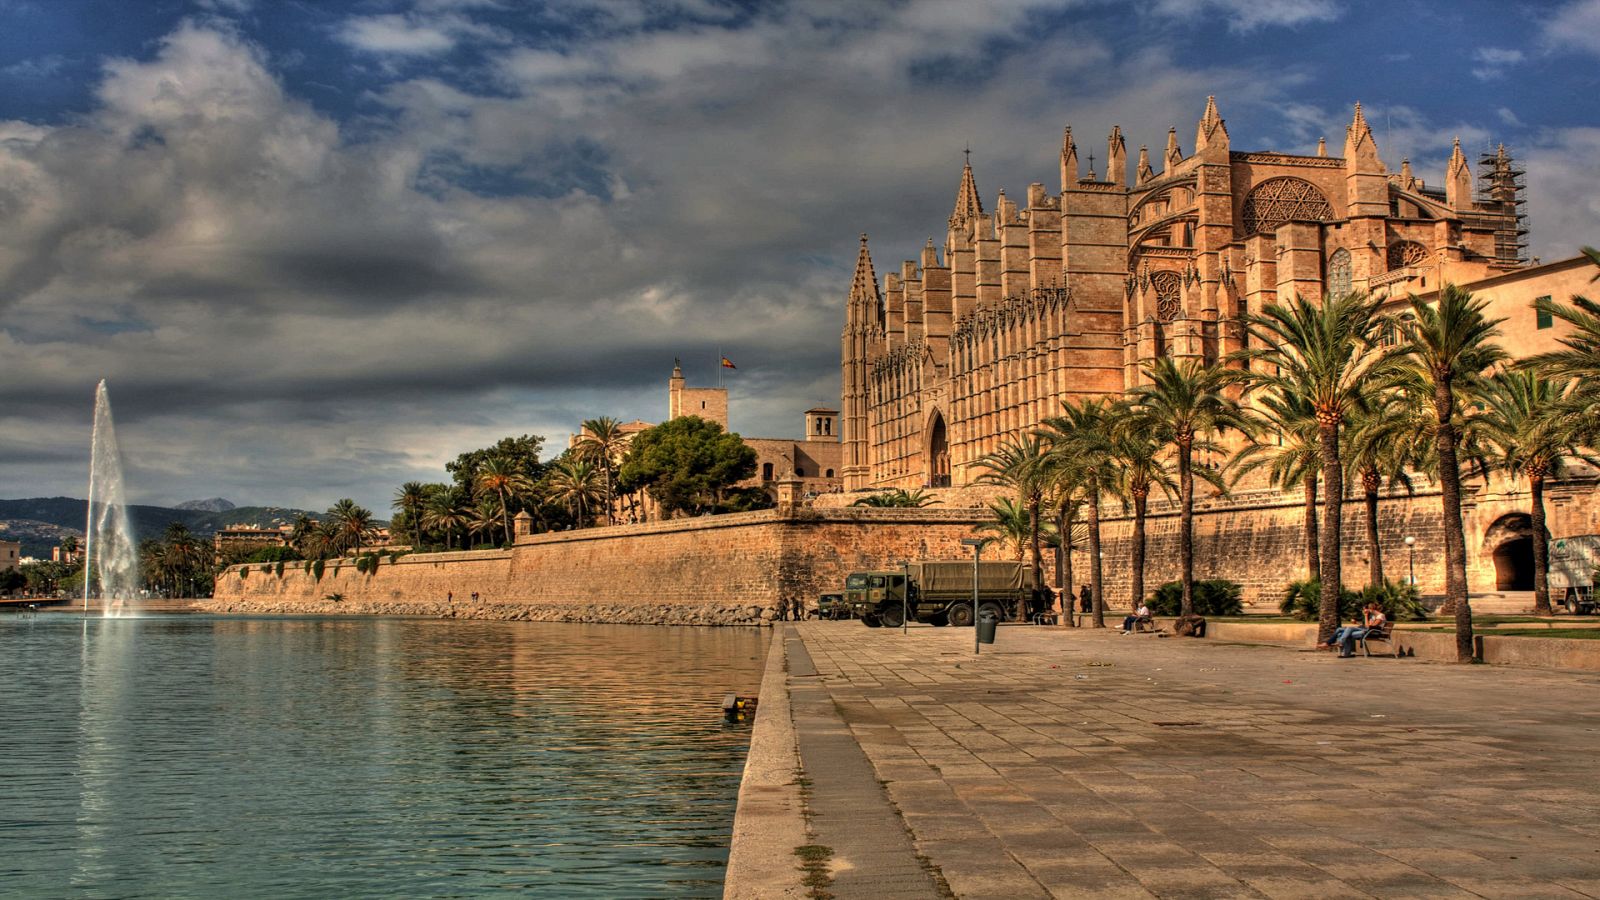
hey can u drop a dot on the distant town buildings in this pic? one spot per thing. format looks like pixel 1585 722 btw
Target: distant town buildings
pixel 10 555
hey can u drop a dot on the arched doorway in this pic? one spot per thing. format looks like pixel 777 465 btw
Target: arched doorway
pixel 938 452
pixel 1513 565
pixel 1510 544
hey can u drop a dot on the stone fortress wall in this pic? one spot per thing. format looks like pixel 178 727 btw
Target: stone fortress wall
pixel 734 569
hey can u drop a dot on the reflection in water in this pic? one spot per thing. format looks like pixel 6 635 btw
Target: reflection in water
pixel 197 757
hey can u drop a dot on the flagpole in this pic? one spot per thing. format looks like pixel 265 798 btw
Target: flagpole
pixel 720 373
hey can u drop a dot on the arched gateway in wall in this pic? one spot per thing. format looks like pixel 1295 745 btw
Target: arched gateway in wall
pixel 938 456
pixel 1509 542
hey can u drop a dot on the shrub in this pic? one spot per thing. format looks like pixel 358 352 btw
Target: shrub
pixel 272 554
pixel 1212 597
pixel 1303 600
pixel 244 572
pixel 361 564
pixel 1399 601
pixel 280 569
pixel 317 568
pixel 333 598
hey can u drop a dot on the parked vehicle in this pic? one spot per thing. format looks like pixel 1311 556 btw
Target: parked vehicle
pixel 940 592
pixel 833 606
pixel 1573 561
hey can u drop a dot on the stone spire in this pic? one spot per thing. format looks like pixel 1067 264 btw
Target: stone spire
pixel 1069 160
pixel 1117 158
pixel 1322 146
pixel 865 301
pixel 1211 131
pixel 968 206
pixel 1360 149
pixel 1144 172
pixel 1173 155
pixel 1408 180
pixel 1458 180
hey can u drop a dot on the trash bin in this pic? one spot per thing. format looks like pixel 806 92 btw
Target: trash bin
pixel 986 626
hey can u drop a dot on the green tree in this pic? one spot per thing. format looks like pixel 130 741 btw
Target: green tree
pixel 1529 435
pixel 1021 465
pixel 686 464
pixel 897 498
pixel 1080 443
pixel 409 500
pixel 1288 448
pixel 602 443
pixel 1010 524
pixel 521 452
pixel 501 478
pixel 1136 454
pixel 1384 445
pixel 1580 360
pixel 1324 353
pixel 1188 404
pixel 349 525
pixel 1447 347
pixel 446 511
pixel 577 484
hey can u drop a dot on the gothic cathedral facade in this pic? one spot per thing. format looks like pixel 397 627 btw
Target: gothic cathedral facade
pixel 1066 295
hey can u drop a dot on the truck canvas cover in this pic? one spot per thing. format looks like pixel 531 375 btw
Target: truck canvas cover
pixel 955 576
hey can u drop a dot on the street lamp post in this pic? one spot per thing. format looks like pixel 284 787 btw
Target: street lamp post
pixel 977 550
pixel 905 596
pixel 1411 554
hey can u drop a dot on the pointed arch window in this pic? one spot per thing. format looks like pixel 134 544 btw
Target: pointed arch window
pixel 1339 273
pixel 1284 199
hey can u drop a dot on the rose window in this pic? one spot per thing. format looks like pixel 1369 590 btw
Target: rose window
pixel 1279 200
pixel 1168 288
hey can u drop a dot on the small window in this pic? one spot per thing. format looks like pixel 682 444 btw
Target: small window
pixel 829 474
pixel 702 404
pixel 855 582
pixel 799 471
pixel 766 472
pixel 877 581
pixel 1544 318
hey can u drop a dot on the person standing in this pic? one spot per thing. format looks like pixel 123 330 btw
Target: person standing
pixel 1085 599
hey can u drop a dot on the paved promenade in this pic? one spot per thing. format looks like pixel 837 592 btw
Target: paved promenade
pixel 1076 764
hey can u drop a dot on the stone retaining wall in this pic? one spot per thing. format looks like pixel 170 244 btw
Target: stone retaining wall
pixel 711 570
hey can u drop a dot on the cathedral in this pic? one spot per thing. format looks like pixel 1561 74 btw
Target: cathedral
pixel 1064 295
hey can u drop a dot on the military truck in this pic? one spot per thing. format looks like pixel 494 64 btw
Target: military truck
pixel 939 592
pixel 1573 564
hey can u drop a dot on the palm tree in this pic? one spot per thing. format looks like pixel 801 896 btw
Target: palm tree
pixel 501 477
pixel 485 518
pixel 1524 425
pixel 1079 439
pixel 302 533
pixel 1384 444
pixel 409 499
pixel 1136 456
pixel 602 442
pixel 897 498
pixel 350 524
pixel 1293 458
pixel 575 483
pixel 1447 347
pixel 1580 361
pixel 1020 464
pixel 1324 353
pixel 445 512
pixel 1010 524
pixel 1188 404
pixel 1065 498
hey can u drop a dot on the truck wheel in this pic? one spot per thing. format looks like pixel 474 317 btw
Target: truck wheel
pixel 871 621
pixel 891 617
pixel 1572 606
pixel 960 616
pixel 992 609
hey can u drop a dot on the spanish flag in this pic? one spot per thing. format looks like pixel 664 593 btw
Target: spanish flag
pixel 728 363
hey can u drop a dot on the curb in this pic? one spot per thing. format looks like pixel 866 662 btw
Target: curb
pixel 770 820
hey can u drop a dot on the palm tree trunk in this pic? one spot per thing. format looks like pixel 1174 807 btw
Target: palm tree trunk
pixel 1369 485
pixel 1096 581
pixel 1313 543
pixel 1332 530
pixel 1064 566
pixel 1455 541
pixel 1038 560
pixel 505 514
pixel 1541 550
pixel 1141 500
pixel 1186 526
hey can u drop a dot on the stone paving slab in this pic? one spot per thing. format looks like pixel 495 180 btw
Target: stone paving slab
pixel 1077 763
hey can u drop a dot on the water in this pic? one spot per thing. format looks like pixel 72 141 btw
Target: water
pixel 191 756
pixel 109 551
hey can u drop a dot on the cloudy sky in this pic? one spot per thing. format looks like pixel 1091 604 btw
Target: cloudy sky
pixel 319 248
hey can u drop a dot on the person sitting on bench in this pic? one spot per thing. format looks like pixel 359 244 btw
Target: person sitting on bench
pixel 1372 618
pixel 1142 614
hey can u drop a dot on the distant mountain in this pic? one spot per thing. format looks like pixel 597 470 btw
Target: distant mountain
pixel 41 522
pixel 214 504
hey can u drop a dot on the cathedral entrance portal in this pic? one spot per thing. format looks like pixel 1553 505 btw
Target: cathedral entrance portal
pixel 938 453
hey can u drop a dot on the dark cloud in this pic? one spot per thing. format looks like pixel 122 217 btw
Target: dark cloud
pixel 518 231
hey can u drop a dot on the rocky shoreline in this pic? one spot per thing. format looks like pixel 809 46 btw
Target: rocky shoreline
pixel 709 614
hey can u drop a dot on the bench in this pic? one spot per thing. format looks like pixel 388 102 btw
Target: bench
pixel 1383 634
pixel 1145 624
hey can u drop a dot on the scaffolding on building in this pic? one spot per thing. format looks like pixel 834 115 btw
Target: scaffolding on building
pixel 1502 188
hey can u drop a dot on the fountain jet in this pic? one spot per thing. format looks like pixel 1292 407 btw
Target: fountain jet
pixel 108 546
